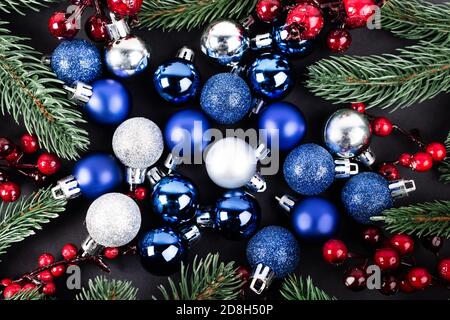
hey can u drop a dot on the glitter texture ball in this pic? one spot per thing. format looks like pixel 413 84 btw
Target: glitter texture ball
pixel 365 195
pixel 276 248
pixel 113 220
pixel 76 60
pixel 138 143
pixel 226 98
pixel 309 169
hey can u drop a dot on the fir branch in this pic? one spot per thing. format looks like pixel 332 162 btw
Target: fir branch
pixel 20 219
pixel 208 279
pixel 423 219
pixel 105 289
pixel 444 168
pixel 9 6
pixel 31 294
pixel 190 14
pixel 294 288
pixel 31 93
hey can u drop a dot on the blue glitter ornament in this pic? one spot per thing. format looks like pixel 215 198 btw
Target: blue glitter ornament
pixel 226 98
pixel 284 123
pixel 291 47
pixel 365 195
pixel 270 76
pixel 309 169
pixel 76 60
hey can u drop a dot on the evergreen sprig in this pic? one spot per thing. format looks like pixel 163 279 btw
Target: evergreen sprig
pixel 31 294
pixel 105 289
pixel 22 218
pixel 444 168
pixel 294 288
pixel 423 219
pixel 190 14
pixel 207 279
pixel 9 6
pixel 31 93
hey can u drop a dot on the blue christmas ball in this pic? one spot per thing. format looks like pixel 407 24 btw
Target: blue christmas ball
pixel 270 76
pixel 226 98
pixel 177 80
pixel 97 174
pixel 162 251
pixel 314 219
pixel 110 102
pixel 276 248
pixel 284 123
pixel 185 132
pixel 291 47
pixel 76 60
pixel 237 215
pixel 365 195
pixel 174 199
pixel 309 169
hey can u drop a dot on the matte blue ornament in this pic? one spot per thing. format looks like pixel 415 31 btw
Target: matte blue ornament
pixel 226 98
pixel 291 47
pixel 365 195
pixel 309 169
pixel 174 199
pixel 284 123
pixel 270 76
pixel 76 60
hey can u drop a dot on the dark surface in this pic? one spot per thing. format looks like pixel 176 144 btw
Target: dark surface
pixel 431 117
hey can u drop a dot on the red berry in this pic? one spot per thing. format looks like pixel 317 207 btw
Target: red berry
pixel 334 251
pixel 96 28
pixel 6 147
pixel 140 193
pixel 421 162
pixel 444 269
pixel 69 251
pixel 60 27
pixel 372 236
pixel 111 253
pixel 243 273
pixel 358 12
pixel 29 286
pixel 29 143
pixel 339 40
pixel 405 159
pixel 268 10
pixel 125 7
pixel 387 259
pixel 45 259
pixel 9 191
pixel 403 243
pixel 5 282
pixel 359 106
pixel 45 276
pixel 15 155
pixel 389 171
pixel 437 151
pixel 419 278
pixel 355 279
pixel 306 19
pixel 11 290
pixel 48 163
pixel 49 289
pixel 58 270
pixel 389 285
pixel 405 286
pixel 382 126
pixel 4 177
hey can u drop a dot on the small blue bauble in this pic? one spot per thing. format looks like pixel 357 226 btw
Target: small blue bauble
pixel 314 219
pixel 270 76
pixel 284 123
pixel 365 195
pixel 226 98
pixel 76 60
pixel 237 215
pixel 186 130
pixel 161 251
pixel 276 248
pixel 109 103
pixel 290 47
pixel 97 174
pixel 177 80
pixel 174 199
pixel 309 169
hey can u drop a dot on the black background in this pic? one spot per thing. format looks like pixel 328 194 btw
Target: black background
pixel 431 117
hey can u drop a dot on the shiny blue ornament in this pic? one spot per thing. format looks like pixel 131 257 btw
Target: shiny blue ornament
pixel 174 199
pixel 365 195
pixel 76 60
pixel 270 76
pixel 97 174
pixel 226 98
pixel 309 169
pixel 290 47
pixel 237 215
pixel 274 247
pixel 162 251
pixel 284 123
pixel 110 102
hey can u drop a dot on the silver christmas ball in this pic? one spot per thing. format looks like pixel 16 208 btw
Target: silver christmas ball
pixel 225 41
pixel 347 133
pixel 138 143
pixel 231 162
pixel 127 56
pixel 113 220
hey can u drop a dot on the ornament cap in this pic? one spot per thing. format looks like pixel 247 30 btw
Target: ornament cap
pixel 401 188
pixel 286 202
pixel 262 152
pixel 135 176
pixel 204 218
pixel 46 59
pixel 367 158
pixel 117 29
pixel 190 234
pixel 186 53
pixel 261 41
pixel 257 183
pixel 90 247
pixel 247 22
pixel 66 188
pixel 172 162
pixel 258 104
pixel 261 278
pixel 345 168
pixel 154 175
pixel 81 92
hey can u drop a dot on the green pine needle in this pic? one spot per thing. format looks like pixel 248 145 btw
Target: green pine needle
pixel 31 294
pixel 9 6
pixel 208 279
pixel 444 168
pixel 104 289
pixel 294 288
pixel 190 14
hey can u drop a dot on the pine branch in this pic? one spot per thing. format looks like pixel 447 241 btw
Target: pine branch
pixel 190 14
pixel 423 219
pixel 208 279
pixel 9 6
pixel 32 94
pixel 294 288
pixel 32 294
pixel 20 219
pixel 105 289
pixel 444 168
